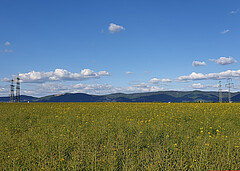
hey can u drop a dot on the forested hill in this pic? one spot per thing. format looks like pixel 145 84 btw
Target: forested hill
pixel 161 96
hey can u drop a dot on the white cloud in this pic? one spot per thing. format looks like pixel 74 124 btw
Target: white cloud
pixel 7 43
pixel 225 31
pixel 166 80
pixel 192 76
pixel 6 51
pixel 114 28
pixel 60 75
pixel 46 89
pixel 156 80
pixel 201 86
pixel 197 86
pixel 52 88
pixel 224 60
pixel 234 11
pixel 59 88
pixel 4 91
pixel 129 73
pixel 198 63
pixel 103 73
pixel 139 88
pixel 98 89
pixel 210 76
pixel 92 87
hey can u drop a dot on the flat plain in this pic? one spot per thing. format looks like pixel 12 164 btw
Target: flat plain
pixel 119 136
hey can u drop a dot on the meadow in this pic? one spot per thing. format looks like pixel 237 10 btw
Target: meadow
pixel 119 136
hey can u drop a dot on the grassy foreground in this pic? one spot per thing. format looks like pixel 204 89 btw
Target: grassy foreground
pixel 119 136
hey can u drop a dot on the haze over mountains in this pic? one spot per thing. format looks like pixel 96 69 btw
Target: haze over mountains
pixel 161 96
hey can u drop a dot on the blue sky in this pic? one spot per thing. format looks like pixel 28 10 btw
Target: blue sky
pixel 102 47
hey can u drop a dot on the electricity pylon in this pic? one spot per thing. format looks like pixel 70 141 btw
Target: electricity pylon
pixel 220 92
pixel 229 85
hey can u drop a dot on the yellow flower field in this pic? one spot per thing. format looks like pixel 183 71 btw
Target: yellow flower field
pixel 119 136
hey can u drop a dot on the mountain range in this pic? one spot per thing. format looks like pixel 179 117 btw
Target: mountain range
pixel 160 96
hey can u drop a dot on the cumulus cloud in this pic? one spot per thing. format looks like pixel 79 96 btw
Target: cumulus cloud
pixel 139 88
pixel 210 76
pixel 156 80
pixel 94 87
pixel 201 86
pixel 49 88
pixel 59 88
pixel 224 60
pixel 60 75
pixel 4 91
pixel 129 73
pixel 114 28
pixel 197 86
pixel 7 43
pixel 44 89
pixel 198 63
pixel 225 31
pixel 166 80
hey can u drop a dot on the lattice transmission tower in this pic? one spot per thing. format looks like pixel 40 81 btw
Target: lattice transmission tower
pixel 18 90
pixel 229 85
pixel 220 92
pixel 12 91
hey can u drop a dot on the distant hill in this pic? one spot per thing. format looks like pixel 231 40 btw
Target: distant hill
pixel 23 98
pixel 71 97
pixel 161 96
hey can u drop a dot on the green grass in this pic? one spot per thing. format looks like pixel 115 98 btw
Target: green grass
pixel 119 136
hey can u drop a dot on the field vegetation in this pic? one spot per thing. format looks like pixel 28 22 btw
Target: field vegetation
pixel 119 136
